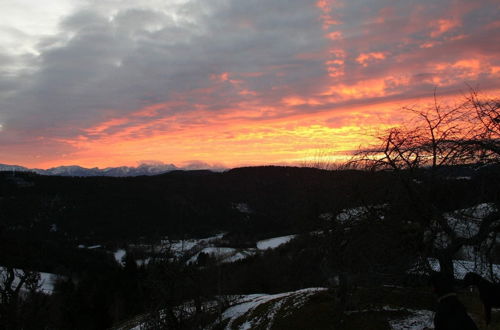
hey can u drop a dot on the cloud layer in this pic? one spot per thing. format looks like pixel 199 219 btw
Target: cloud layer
pixel 106 83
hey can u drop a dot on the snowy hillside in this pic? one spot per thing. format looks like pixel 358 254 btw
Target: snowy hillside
pixel 244 315
pixel 309 308
pixel 193 250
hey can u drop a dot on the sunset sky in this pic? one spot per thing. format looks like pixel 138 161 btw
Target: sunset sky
pixel 232 82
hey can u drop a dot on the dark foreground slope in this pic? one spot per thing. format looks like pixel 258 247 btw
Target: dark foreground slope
pixel 52 224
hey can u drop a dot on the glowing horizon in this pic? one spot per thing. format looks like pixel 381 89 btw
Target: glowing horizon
pixel 104 84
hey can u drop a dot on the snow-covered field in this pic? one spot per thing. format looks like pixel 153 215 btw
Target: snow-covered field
pixel 191 249
pixel 272 243
pixel 228 254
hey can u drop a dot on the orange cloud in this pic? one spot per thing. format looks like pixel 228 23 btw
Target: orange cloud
pixel 429 44
pixel 495 70
pixel 220 77
pixel 472 64
pixel 335 65
pixel 462 69
pixel 106 125
pixel 365 58
pixel 297 100
pixel 326 7
pixel 336 35
pixel 371 88
pixel 442 26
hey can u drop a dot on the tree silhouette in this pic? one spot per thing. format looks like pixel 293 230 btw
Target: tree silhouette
pixel 420 152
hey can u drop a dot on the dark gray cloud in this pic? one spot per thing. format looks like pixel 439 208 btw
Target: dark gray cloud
pixel 99 66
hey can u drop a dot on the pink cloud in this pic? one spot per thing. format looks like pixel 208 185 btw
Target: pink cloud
pixel 365 58
pixel 442 26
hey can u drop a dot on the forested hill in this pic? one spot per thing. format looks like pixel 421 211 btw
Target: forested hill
pixel 180 202
pixel 255 200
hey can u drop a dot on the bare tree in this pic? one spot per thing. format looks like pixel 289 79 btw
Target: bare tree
pixel 438 136
pixel 13 284
pixel 486 141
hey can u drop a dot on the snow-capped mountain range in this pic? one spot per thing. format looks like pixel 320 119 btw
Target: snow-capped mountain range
pixel 143 169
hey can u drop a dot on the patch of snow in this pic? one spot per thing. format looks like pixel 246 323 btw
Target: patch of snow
pixel 246 304
pixel 243 306
pixel 119 254
pixel 246 326
pixel 350 214
pixel 218 253
pixel 243 208
pixel 465 222
pixel 180 247
pixel 462 267
pixel 239 255
pixel 191 249
pixel 223 254
pixel 141 262
pixel 326 216
pixel 383 309
pixel 272 243
pixel 356 213
pixel 90 247
pixel 418 320
pixel 47 281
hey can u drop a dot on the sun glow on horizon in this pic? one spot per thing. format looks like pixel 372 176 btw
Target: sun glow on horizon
pixel 331 136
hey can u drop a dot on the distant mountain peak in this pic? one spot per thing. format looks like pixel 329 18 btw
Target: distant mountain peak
pixel 149 168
